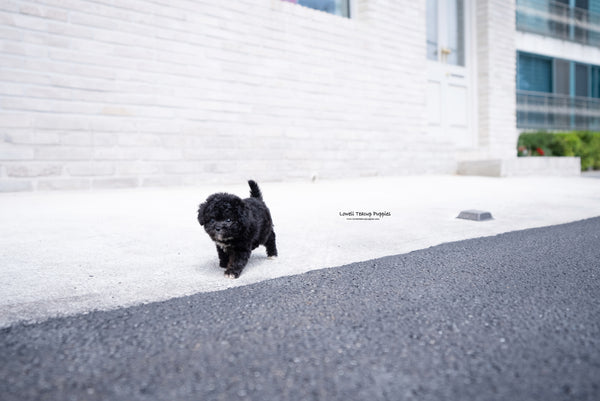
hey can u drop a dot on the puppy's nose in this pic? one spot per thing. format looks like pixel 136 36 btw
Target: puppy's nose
pixel 218 229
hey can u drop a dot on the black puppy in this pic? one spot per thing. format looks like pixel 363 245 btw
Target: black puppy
pixel 237 227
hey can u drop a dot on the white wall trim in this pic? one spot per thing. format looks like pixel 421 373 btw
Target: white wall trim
pixel 552 47
pixel 473 72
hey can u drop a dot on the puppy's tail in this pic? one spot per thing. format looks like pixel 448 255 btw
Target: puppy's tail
pixel 254 190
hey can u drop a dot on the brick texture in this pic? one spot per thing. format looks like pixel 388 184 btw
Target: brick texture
pixel 102 93
pixel 496 58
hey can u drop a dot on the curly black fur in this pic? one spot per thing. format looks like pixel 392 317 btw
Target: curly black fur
pixel 237 226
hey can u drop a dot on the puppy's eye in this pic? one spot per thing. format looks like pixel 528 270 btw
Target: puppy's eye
pixel 229 220
pixel 212 220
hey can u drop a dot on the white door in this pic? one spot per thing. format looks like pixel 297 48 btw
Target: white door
pixel 449 65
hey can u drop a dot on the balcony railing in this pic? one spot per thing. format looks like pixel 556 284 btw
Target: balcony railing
pixel 555 19
pixel 537 110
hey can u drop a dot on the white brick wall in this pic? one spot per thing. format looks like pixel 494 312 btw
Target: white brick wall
pixel 104 93
pixel 496 58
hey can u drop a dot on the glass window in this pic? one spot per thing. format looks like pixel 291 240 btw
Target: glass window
pixel 432 30
pixel 446 31
pixel 559 12
pixel 574 20
pixel 337 7
pixel 456 32
pixel 562 77
pixel 575 87
pixel 581 80
pixel 595 89
pixel 534 73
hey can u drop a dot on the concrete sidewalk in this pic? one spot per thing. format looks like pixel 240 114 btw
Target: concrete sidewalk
pixel 71 252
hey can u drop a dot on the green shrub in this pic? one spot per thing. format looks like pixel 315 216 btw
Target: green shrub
pixel 530 143
pixel 584 144
pixel 590 150
pixel 593 147
pixel 587 157
pixel 568 144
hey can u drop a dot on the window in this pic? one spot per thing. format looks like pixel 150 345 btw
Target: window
pixel 432 30
pixel 446 31
pixel 554 93
pixel 582 80
pixel 337 7
pixel 562 77
pixel 573 20
pixel 595 84
pixel 456 30
pixel 534 73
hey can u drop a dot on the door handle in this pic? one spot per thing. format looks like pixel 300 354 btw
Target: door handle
pixel 445 52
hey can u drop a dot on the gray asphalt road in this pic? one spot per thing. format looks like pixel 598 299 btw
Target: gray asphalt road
pixel 509 317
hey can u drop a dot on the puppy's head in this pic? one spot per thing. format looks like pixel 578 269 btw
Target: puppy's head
pixel 222 216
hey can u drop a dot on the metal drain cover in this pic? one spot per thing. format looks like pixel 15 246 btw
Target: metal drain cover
pixel 476 215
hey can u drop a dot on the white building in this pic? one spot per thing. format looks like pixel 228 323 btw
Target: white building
pixel 97 94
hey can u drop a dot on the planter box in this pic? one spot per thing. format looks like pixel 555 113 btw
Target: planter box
pixel 522 166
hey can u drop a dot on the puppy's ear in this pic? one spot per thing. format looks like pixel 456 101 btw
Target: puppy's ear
pixel 201 218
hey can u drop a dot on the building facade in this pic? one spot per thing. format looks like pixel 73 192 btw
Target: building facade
pixel 558 64
pixel 104 94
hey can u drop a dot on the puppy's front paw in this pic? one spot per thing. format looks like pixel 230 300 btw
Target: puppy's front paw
pixel 229 273
pixel 272 257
